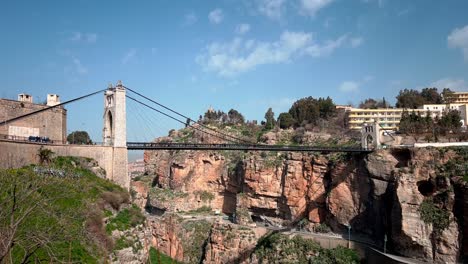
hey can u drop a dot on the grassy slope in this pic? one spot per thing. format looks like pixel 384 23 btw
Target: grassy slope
pixel 68 214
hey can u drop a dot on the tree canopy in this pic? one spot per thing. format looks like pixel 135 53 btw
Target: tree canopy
pixel 234 117
pixel 416 124
pixel 269 119
pixel 371 103
pixel 79 137
pixel 409 98
pixel 285 120
pixel 310 110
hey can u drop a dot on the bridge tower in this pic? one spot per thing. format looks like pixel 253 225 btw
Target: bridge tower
pixel 114 132
pixel 370 135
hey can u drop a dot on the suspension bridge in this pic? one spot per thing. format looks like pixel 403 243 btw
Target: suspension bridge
pixel 112 153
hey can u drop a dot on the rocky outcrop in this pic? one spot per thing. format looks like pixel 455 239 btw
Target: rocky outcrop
pixel 230 243
pixel 165 236
pixel 378 195
pixel 139 193
pixel 195 179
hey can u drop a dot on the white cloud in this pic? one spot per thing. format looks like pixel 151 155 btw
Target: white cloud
pixel 242 29
pixel 271 8
pixel 349 86
pixel 326 49
pixel 128 56
pixel 84 37
pixel 91 37
pixel 216 16
pixel 356 42
pixel 80 69
pixel 311 7
pixel 190 19
pixel 381 3
pixel 403 12
pixel 76 36
pixel 239 55
pixel 459 39
pixel 368 78
pixel 453 84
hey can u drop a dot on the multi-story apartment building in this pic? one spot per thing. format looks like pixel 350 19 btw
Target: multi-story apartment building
pixel 457 98
pixel 389 118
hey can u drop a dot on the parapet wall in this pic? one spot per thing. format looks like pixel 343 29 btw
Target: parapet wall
pixel 113 160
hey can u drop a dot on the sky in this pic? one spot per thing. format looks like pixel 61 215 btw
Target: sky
pixel 243 54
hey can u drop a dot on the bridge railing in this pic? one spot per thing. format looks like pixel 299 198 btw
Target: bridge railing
pixel 42 140
pixel 248 147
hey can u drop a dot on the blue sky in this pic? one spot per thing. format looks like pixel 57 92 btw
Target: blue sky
pixel 247 55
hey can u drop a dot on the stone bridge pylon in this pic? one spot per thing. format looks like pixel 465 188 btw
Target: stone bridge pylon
pixel 114 132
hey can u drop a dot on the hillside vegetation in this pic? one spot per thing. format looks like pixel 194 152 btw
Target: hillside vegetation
pixel 55 213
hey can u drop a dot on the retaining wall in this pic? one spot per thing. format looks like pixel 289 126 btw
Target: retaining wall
pixel 113 160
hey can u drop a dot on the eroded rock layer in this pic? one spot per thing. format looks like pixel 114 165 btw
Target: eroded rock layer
pixel 388 193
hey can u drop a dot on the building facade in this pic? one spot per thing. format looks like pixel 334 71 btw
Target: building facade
pixel 389 118
pixel 51 123
pixel 457 98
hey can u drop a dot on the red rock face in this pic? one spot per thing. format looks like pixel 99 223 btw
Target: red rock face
pixel 141 193
pixel 165 236
pixel 201 176
pixel 376 194
pixel 289 189
pixel 230 244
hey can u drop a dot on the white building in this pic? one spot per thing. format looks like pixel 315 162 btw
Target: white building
pixel 389 118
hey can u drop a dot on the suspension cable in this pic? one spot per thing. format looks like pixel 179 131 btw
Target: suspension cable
pixel 189 119
pixel 50 107
pixel 180 121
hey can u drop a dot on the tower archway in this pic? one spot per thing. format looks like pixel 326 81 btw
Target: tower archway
pixel 108 128
pixel 370 136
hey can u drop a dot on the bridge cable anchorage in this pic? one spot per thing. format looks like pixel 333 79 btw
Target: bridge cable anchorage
pixel 50 107
pixel 189 119
pixel 178 120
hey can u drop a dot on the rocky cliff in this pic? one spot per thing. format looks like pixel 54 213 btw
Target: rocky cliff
pixel 412 197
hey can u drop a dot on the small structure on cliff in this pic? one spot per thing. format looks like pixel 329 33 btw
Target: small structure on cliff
pixel 370 136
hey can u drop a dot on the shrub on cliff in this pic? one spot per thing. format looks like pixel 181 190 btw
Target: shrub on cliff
pixel 432 214
pixel 278 248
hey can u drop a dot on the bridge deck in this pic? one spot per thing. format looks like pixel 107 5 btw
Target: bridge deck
pixel 245 147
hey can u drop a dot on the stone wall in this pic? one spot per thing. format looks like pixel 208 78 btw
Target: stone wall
pixel 51 123
pixel 112 160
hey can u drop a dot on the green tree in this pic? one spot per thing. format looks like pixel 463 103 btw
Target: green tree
pixel 431 96
pixel 369 103
pixel 326 107
pixel 409 98
pixel 234 117
pixel 450 122
pixel 447 95
pixel 285 120
pixel 310 110
pixel 79 137
pixel 270 119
